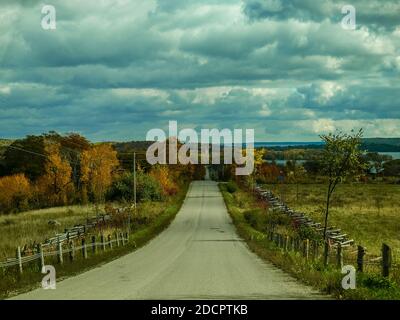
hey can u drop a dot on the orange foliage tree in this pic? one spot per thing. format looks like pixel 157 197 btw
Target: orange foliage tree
pixel 97 166
pixel 15 193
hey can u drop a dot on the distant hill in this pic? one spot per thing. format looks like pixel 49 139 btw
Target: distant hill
pixel 386 141
pixel 131 146
pixel 381 144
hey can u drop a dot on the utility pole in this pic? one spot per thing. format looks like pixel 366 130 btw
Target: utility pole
pixel 134 191
pixel 134 179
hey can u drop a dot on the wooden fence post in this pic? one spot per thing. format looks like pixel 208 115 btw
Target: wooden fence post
pixel 19 257
pixel 41 260
pixel 103 244
pixel 122 238
pixel 326 253
pixel 72 251
pixel 360 258
pixel 84 249
pixel 60 253
pixel 109 241
pixel 386 259
pixel 116 235
pixel 127 237
pixel 339 256
pixel 287 243
pixel 94 244
pixel 306 244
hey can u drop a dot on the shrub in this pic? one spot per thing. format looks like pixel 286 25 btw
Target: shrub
pixel 374 281
pixel 231 187
pixel 254 218
pixel 147 188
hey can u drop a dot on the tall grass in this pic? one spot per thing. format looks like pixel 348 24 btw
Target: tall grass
pixel 370 285
pixel 158 217
pixel 368 213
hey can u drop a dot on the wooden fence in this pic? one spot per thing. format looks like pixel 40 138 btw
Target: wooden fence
pixel 69 250
pixel 313 250
pixel 339 248
pixel 65 243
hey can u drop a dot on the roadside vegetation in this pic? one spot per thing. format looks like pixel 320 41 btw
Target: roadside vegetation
pixel 152 218
pixel 252 218
pixel 364 205
pixel 52 182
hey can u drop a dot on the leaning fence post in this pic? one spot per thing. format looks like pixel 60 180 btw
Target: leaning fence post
pixel 127 237
pixel 84 250
pixel 360 258
pixel 19 258
pixel 339 256
pixel 386 259
pixel 60 253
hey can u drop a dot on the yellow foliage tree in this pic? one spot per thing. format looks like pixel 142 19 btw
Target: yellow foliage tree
pixel 97 166
pixel 164 177
pixel 56 184
pixel 15 193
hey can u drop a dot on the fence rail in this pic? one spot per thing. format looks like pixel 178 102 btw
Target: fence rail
pixel 70 248
pixel 64 243
pixel 337 247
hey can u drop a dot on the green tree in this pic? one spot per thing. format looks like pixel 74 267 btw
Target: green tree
pixel 342 159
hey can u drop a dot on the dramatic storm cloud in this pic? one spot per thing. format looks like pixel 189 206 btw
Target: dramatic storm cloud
pixel 114 69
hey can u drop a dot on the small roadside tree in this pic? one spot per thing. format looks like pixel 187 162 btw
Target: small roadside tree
pixel 341 160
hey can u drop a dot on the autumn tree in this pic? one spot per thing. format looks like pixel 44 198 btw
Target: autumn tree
pixel 15 193
pixel 55 185
pixel 71 146
pixel 162 174
pixel 97 165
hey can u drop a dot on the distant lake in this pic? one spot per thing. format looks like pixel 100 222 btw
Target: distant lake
pixel 286 144
pixel 394 155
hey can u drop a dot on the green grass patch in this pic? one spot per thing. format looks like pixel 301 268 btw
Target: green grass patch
pixel 162 214
pixel 251 218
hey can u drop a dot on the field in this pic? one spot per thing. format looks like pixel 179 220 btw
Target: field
pixel 355 216
pixel 368 213
pixel 27 227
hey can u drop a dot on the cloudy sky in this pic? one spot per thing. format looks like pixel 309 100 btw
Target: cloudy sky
pixel 113 69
